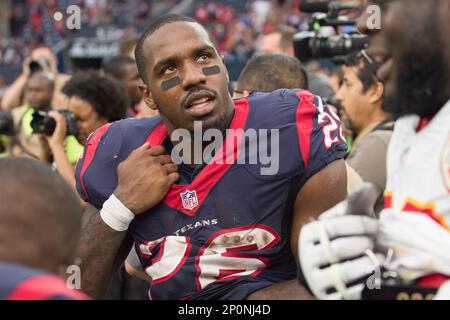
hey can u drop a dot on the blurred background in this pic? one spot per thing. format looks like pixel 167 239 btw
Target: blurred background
pixel 108 26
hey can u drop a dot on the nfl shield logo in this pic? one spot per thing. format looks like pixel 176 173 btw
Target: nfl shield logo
pixel 189 199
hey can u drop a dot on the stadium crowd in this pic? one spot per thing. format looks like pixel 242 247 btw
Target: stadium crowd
pixel 84 156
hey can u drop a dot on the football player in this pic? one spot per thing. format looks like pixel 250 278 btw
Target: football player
pixel 411 240
pixel 211 230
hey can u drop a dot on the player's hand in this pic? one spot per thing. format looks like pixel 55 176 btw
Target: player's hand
pixel 335 251
pixel 145 177
pixel 26 71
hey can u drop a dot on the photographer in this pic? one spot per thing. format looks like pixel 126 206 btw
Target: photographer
pixel 94 100
pixel 41 59
pixel 361 95
pixel 38 92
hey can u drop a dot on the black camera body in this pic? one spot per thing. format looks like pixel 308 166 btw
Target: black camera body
pixel 38 65
pixel 6 123
pixel 310 45
pixel 44 124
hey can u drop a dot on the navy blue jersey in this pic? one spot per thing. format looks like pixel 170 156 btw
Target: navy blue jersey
pixel 18 282
pixel 225 233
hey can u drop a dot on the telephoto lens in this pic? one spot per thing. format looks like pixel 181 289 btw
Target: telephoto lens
pixel 43 124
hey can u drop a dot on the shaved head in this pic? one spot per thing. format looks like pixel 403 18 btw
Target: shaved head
pixel 40 215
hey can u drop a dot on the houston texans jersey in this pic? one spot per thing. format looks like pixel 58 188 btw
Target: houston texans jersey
pixel 18 282
pixel 224 232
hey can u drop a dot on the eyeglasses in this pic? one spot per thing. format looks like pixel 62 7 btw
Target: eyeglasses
pixel 373 65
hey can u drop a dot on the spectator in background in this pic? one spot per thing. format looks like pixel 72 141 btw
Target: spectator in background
pixel 41 59
pixel 124 69
pixel 128 45
pixel 95 100
pixel 38 234
pixel 38 93
pixel 361 96
pixel 281 41
pixel 268 72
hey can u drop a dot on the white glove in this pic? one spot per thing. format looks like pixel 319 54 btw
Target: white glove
pixel 443 292
pixel 344 232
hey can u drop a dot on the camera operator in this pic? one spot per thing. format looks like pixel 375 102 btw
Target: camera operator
pixel 41 59
pixel 38 93
pixel 361 96
pixel 95 100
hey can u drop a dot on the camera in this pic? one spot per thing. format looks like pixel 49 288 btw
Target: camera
pixel 6 123
pixel 310 45
pixel 44 124
pixel 38 65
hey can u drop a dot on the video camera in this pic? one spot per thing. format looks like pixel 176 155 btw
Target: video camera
pixel 44 124
pixel 310 45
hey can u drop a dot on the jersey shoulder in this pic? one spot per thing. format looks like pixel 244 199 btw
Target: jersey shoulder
pixel 310 135
pixel 96 171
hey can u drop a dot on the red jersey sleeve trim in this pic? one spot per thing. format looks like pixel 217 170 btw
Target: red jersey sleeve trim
pixel 91 148
pixel 305 123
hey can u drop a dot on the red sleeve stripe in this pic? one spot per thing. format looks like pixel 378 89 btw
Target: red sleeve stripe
pixel 305 123
pixel 43 288
pixel 91 148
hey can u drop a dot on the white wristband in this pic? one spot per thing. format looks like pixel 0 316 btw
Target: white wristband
pixel 115 214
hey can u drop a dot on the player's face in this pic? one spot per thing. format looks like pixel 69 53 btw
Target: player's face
pixel 354 101
pixel 413 47
pixel 176 57
pixel 87 119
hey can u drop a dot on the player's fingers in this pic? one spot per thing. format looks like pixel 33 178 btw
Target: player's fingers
pixel 164 159
pixel 157 151
pixel 339 227
pixel 139 150
pixel 170 168
pixel 339 250
pixel 173 177
pixel 352 293
pixel 351 225
pixel 353 270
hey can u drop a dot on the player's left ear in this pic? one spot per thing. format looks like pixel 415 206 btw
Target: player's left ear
pixel 377 92
pixel 148 98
